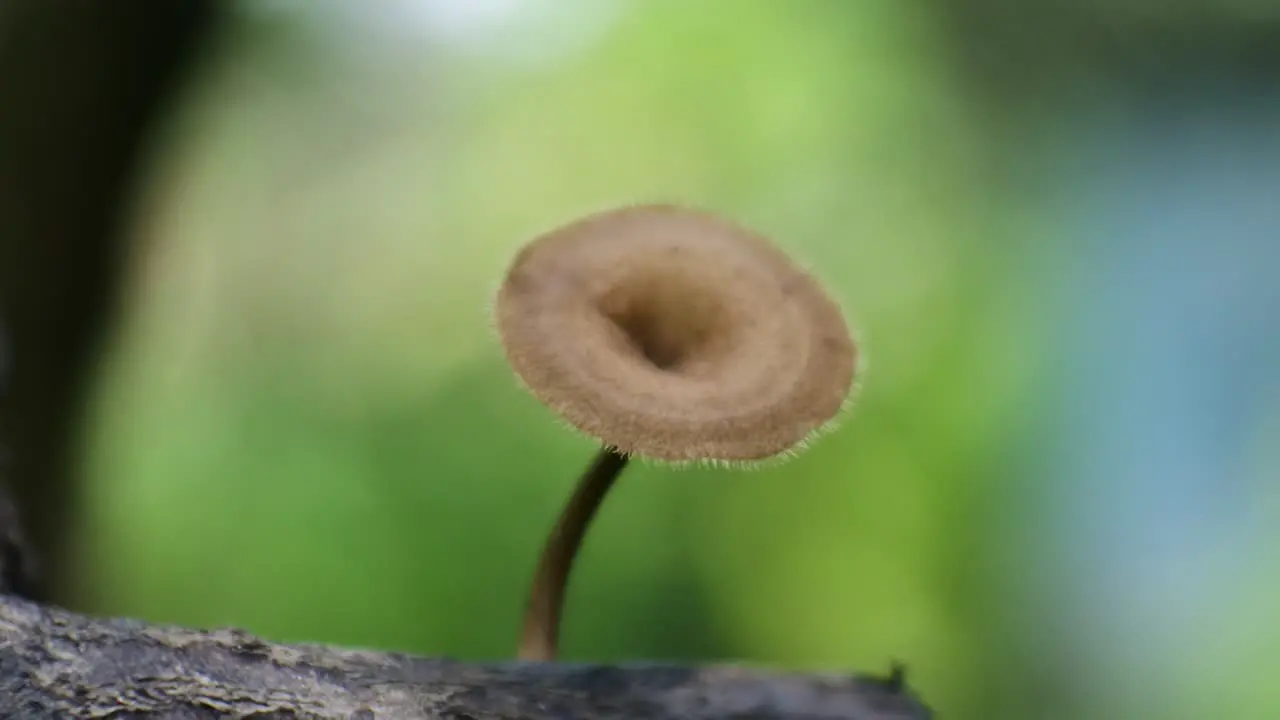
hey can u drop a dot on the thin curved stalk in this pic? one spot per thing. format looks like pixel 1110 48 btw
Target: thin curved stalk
pixel 539 637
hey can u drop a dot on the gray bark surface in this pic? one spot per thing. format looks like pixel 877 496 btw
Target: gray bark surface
pixel 57 664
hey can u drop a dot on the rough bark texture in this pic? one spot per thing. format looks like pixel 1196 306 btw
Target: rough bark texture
pixel 56 664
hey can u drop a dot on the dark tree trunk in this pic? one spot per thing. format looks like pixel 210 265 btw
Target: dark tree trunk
pixel 82 83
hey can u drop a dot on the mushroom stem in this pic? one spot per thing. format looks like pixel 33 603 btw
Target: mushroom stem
pixel 540 634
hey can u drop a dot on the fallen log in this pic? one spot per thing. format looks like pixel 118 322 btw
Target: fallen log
pixel 59 664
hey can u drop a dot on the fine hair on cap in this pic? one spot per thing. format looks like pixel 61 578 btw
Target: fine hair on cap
pixel 676 335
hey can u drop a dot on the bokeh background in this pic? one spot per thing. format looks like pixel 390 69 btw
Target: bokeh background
pixel 1055 226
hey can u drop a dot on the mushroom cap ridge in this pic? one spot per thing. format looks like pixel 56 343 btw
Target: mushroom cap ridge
pixel 676 335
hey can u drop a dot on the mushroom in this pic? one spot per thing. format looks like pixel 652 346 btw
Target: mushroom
pixel 671 334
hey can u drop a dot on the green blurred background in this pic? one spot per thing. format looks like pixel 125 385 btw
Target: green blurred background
pixel 305 427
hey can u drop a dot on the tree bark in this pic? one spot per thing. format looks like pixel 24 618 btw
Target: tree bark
pixel 56 664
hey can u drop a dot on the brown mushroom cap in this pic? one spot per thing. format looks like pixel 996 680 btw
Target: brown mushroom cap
pixel 676 335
